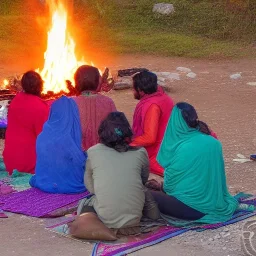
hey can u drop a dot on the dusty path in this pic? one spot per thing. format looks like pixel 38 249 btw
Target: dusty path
pixel 228 106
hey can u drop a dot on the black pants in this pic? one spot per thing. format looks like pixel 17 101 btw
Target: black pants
pixel 171 206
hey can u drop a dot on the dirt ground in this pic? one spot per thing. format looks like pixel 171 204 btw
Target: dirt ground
pixel 227 105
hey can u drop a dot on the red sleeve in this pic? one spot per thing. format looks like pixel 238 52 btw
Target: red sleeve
pixel 150 127
pixel 41 118
pixel 213 134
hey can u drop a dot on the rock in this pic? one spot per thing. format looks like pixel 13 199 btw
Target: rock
pixel 236 76
pixel 252 83
pixel 241 156
pixel 183 69
pixel 164 9
pixel 242 161
pixel 173 76
pixel 162 73
pixel 122 83
pixel 217 237
pixel 161 79
pixel 163 76
pixel 191 75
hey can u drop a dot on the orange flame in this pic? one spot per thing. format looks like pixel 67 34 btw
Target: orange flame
pixel 60 58
pixel 6 83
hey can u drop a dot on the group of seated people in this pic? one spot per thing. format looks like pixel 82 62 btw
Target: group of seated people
pixel 83 143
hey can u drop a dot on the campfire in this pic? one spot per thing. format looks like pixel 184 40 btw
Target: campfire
pixel 60 60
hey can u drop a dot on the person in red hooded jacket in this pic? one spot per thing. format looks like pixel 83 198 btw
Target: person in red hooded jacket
pixel 151 116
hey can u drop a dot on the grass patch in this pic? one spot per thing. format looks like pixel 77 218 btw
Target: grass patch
pixel 198 28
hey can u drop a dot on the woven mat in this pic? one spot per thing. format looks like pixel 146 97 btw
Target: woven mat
pixel 129 244
pixel 35 203
pixel 238 216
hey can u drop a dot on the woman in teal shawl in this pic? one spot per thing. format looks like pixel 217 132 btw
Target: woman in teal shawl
pixel 194 168
pixel 60 163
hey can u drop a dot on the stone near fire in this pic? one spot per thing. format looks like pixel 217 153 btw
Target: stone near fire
pixel 164 9
pixel 183 69
pixel 164 76
pixel 122 83
pixel 191 75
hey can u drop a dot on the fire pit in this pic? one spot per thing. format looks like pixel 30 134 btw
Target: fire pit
pixel 59 66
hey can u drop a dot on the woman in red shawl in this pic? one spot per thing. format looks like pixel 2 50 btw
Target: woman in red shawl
pixel 93 107
pixel 26 116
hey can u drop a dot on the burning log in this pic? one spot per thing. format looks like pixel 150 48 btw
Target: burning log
pixel 130 72
pixel 107 83
pixel 124 79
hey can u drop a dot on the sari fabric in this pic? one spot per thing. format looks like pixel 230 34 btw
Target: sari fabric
pixel 194 170
pixel 60 162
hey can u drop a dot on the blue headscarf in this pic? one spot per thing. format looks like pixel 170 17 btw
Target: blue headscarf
pixel 60 162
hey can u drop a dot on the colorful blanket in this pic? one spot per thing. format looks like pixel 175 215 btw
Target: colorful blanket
pixel 35 203
pixel 244 200
pixel 129 244
pixel 18 181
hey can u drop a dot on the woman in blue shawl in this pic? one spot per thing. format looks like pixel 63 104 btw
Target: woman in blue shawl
pixel 60 162
pixel 194 177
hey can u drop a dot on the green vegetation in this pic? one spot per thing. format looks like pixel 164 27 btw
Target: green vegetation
pixel 198 28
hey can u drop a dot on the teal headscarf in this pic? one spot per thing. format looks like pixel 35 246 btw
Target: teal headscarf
pixel 194 170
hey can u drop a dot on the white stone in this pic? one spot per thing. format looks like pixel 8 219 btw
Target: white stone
pixel 122 83
pixel 173 76
pixel 252 83
pixel 242 161
pixel 162 73
pixel 241 156
pixel 160 79
pixel 236 76
pixel 191 75
pixel 163 76
pixel 163 8
pixel 183 69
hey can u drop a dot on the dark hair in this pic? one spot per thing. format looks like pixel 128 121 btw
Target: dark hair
pixel 87 78
pixel 145 81
pixel 32 83
pixel 115 132
pixel 190 116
